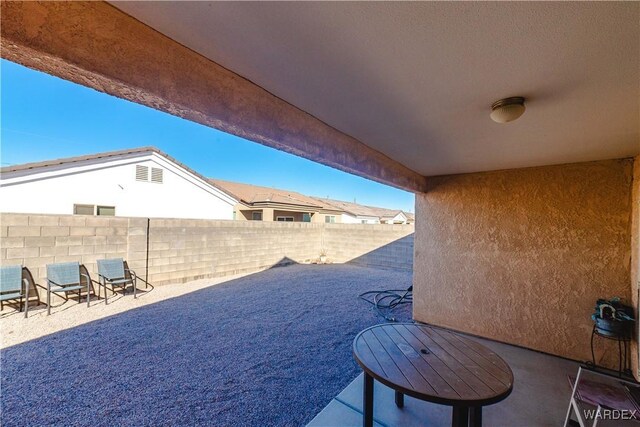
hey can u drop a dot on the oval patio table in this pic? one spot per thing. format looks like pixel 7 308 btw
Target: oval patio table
pixel 431 364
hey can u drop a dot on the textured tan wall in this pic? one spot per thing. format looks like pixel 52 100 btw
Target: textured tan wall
pixel 182 250
pixel 521 256
pixel 635 255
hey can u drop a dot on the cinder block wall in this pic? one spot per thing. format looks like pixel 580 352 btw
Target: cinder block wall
pixel 180 250
pixel 37 240
pixel 370 245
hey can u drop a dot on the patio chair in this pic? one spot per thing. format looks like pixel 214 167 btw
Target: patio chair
pixel 65 277
pixel 113 272
pixel 13 286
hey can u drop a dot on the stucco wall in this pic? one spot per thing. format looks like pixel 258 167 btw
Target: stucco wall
pixel 521 255
pixel 635 255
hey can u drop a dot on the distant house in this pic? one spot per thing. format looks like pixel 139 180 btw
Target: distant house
pixel 397 217
pixel 411 217
pixel 354 213
pixel 142 182
pixel 256 203
pixel 145 182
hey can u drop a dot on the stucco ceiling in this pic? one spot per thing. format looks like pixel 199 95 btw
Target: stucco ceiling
pixel 416 80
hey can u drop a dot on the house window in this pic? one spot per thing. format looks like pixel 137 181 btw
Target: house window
pixel 83 209
pixel 256 216
pixel 142 173
pixel 106 210
pixel 306 217
pixel 330 219
pixel 284 218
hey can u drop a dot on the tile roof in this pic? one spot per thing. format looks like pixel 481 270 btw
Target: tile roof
pixel 360 210
pixel 77 159
pixel 252 194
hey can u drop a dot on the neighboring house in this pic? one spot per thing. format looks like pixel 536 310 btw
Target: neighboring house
pixel 397 217
pixel 257 203
pixel 354 213
pixel 142 182
pixel 411 218
pixel 145 182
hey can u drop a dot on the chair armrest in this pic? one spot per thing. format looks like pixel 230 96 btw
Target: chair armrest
pixel 26 287
pixel 88 278
pixel 51 282
pixel 133 273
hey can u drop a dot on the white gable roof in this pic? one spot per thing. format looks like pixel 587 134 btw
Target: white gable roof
pixel 30 172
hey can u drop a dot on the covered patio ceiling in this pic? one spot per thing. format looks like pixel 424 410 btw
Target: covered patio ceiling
pixel 415 80
pixel 394 92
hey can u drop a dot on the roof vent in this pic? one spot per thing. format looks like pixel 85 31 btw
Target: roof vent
pixel 142 173
pixel 156 175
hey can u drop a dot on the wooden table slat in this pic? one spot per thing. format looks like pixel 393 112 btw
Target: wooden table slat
pixel 481 359
pixel 384 360
pixel 432 364
pixel 485 376
pixel 367 356
pixel 416 380
pixel 441 368
pixel 463 372
pixel 481 351
pixel 433 377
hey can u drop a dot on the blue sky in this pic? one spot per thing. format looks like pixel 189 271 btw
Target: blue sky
pixel 44 117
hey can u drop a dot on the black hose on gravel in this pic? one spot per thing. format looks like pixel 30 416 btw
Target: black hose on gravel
pixel 386 301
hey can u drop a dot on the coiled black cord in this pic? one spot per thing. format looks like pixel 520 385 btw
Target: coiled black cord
pixel 385 301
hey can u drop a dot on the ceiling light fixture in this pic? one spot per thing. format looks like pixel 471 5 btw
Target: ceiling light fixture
pixel 507 109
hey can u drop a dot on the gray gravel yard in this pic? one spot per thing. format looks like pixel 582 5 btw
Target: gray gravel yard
pixel 268 349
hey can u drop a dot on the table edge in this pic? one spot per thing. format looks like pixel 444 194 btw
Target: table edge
pixel 435 399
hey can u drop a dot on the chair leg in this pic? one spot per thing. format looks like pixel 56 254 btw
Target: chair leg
pixel 26 305
pixel 48 301
pixel 134 288
pixel 88 295
pixel 20 308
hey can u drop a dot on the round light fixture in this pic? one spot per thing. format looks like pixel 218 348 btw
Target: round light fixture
pixel 507 109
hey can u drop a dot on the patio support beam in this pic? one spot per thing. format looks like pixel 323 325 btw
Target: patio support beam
pixel 97 45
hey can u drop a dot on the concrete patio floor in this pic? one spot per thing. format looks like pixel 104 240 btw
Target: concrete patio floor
pixel 540 397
